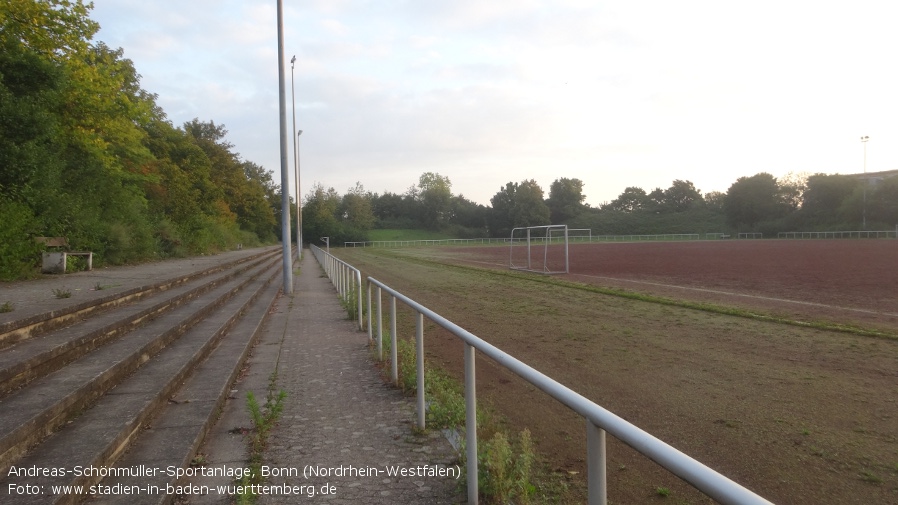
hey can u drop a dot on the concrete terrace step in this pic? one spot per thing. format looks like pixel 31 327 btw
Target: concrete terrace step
pixel 35 357
pixel 175 435
pixel 38 321
pixel 99 399
pixel 34 412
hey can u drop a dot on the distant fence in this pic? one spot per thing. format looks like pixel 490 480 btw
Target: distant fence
pixel 640 238
pixel 839 234
pixel 584 235
pixel 414 243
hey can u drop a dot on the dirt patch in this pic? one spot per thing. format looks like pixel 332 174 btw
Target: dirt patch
pixel 798 415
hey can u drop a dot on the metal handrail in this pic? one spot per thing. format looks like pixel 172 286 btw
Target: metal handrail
pixel 345 277
pixel 598 420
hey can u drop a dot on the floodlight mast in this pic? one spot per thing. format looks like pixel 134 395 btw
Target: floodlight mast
pixel 296 160
pixel 285 176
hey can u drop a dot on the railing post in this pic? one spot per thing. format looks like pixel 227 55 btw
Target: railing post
pixel 358 291
pixel 471 423
pixel 419 353
pixel 595 464
pixel 380 326
pixel 394 352
pixel 370 330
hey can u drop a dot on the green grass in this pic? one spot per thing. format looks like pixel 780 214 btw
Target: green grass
pixel 393 234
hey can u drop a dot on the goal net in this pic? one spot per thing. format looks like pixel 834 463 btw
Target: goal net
pixel 541 249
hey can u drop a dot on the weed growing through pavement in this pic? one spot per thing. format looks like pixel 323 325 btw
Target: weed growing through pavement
pixel 350 304
pixel 263 418
pixel 662 491
pixel 62 293
pixel 6 307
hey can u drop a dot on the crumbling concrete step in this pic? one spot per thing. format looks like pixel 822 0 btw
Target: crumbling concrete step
pixel 100 435
pixel 32 413
pixel 37 357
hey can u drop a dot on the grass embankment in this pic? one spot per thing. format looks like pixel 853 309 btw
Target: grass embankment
pixel 770 402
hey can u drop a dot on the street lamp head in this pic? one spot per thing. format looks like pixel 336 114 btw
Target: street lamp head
pixel 299 133
pixel 865 138
pixel 293 60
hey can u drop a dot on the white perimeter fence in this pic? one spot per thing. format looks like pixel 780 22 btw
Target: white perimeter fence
pixel 588 237
pixel 599 421
pixel 839 234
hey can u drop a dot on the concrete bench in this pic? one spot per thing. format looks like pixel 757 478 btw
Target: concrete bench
pixel 54 262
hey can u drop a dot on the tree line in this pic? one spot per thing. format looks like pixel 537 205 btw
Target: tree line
pixel 760 204
pixel 87 154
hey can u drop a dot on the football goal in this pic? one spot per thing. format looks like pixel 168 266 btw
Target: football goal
pixel 541 249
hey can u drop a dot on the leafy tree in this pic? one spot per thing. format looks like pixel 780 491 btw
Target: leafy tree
pixel 825 197
pixel 565 200
pixel 468 214
pixel 30 102
pixel 714 201
pixel 319 213
pixel 882 202
pixel 631 200
pixel 752 200
pixel 517 205
pixel 356 208
pixel 435 195
pixel 682 196
pixel 87 154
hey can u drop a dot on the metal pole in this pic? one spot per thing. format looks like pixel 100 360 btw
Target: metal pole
pixel 596 465
pixel 380 325
pixel 370 333
pixel 471 422
pixel 295 160
pixel 394 342
pixel 419 344
pixel 285 177
pixel 298 189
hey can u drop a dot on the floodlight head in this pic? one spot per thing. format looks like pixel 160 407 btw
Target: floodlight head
pixel 293 60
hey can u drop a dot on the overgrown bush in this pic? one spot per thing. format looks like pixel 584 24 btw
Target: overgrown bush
pixel 19 253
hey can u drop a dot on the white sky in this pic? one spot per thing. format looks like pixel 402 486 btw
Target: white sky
pixel 485 92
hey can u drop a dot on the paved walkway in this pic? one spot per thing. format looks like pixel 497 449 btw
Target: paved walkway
pixel 341 419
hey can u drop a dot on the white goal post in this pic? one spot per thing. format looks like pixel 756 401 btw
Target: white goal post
pixel 541 249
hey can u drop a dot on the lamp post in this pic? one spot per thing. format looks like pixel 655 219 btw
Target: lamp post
pixel 285 176
pixel 864 140
pixel 298 201
pixel 295 160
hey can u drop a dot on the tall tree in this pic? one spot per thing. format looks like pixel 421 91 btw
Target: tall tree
pixel 752 200
pixel 565 200
pixel 682 196
pixel 824 199
pixel 435 195
pixel 631 200
pixel 356 208
pixel 517 205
